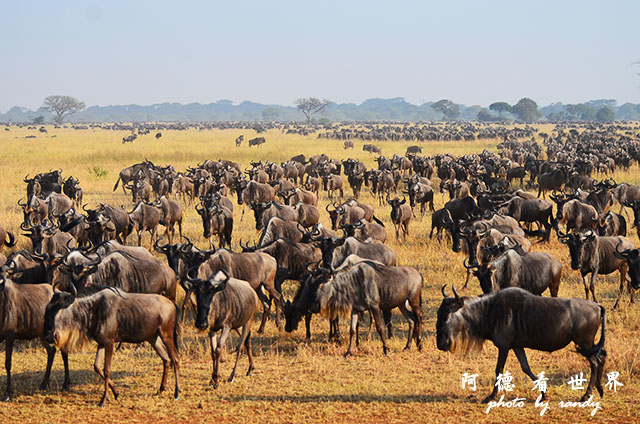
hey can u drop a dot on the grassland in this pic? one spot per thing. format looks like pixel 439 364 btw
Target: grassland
pixel 296 381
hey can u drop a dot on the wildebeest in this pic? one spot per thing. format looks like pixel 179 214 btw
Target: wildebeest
pixel 257 141
pixel 371 148
pixel 348 144
pixel 111 316
pixel 632 256
pixel 514 319
pixel 577 216
pixel 365 231
pixel 239 140
pixel 22 318
pixel 533 272
pixel 132 269
pixel 365 286
pixel 539 211
pixel 334 251
pixel 257 269
pixel 400 216
pixel 225 303
pixel 217 220
pixel 612 224
pixel 171 214
pixel 553 180
pixel 143 218
pixel 128 174
pixel 591 254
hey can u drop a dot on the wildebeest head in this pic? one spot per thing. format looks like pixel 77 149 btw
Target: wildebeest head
pixel 305 298
pixel 577 243
pixel 205 290
pixel 395 206
pixel 635 205
pixel 632 256
pixel 60 300
pixel 448 324
pixel 258 212
pixel 334 214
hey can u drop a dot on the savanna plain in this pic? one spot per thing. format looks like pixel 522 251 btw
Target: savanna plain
pixel 297 381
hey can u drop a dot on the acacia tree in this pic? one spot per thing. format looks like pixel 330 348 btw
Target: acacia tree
pixel 500 107
pixel 526 110
pixel 446 107
pixel 62 106
pixel 310 106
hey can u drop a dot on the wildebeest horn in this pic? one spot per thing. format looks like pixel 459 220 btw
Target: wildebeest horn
pixel 465 263
pixel 481 233
pixel 443 292
pixel 26 178
pixel 621 254
pixel 74 291
pixel 22 204
pixel 455 293
pixel 159 248
pixel 84 208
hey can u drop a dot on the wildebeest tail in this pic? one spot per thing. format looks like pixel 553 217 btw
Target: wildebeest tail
pixel 599 347
pixel 117 181
pixel 377 220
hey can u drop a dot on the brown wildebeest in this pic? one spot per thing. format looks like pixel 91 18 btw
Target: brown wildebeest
pixel 110 316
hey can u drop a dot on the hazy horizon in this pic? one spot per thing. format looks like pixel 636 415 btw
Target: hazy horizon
pixel 472 53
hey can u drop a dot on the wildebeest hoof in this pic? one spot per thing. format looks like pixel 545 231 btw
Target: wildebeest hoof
pixel 66 387
pixel 230 380
pixel 348 354
pixel 7 398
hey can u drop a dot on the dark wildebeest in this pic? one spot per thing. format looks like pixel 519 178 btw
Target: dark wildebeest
pixel 539 211
pixel 217 220
pixel 257 141
pixel 365 231
pixel 239 140
pixel 595 255
pixel 348 144
pixel 263 211
pixel 514 319
pixel 632 256
pixel 553 180
pixel 516 173
pixel 22 318
pixel 533 272
pixel 400 216
pixel 422 194
pixel 225 303
pixel 111 316
pixel 440 219
pixel 48 238
pixel 364 286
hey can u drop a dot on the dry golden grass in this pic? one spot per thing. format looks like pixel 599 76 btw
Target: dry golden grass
pixel 295 381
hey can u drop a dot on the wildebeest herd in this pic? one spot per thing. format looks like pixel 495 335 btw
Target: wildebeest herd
pixel 81 282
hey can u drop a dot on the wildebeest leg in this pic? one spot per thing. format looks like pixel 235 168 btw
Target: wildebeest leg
pixel 502 359
pixel 378 320
pixel 352 332
pixel 277 297
pixel 215 358
pixel 247 344
pixel 7 364
pixel 108 354
pixel 596 366
pixel 162 351
pixel 246 332
pixel 592 285
pixel 307 325
pixel 386 314
pixel 601 358
pixel 409 316
pixel 466 282
pixel 139 238
pixel 67 379
pixel 586 286
pixel 187 298
pixel 266 306
pixel 524 364
pixel 51 353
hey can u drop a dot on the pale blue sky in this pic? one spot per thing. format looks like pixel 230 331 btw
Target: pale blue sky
pixel 472 52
